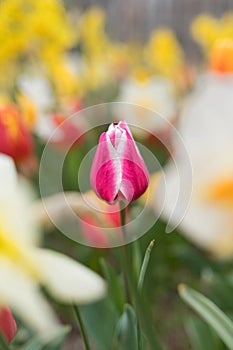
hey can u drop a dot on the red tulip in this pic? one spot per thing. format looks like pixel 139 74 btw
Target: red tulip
pixel 15 138
pixel 8 326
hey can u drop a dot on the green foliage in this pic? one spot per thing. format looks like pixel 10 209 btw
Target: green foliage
pixel 116 290
pixel 55 343
pixel 222 324
pixel 126 336
pixel 3 344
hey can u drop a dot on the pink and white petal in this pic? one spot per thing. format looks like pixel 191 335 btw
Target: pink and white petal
pixel 134 181
pixel 68 280
pixel 123 125
pixel 22 295
pixel 104 173
pixel 135 175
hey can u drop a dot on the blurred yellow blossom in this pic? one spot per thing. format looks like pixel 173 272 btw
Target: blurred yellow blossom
pixel 92 34
pixel 28 110
pixel 65 82
pixel 35 32
pixel 163 53
pixel 206 30
pixel 29 27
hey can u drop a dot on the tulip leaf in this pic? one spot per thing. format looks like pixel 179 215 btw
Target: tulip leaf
pixel 202 336
pixel 126 336
pixel 53 344
pixel 3 343
pixel 100 321
pixel 115 289
pixel 222 324
pixel 145 265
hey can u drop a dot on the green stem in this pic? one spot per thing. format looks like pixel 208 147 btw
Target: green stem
pixel 144 316
pixel 125 261
pixel 82 328
pixel 126 269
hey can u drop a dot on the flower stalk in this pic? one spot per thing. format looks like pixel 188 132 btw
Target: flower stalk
pixel 82 327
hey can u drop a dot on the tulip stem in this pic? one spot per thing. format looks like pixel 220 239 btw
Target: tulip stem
pixel 123 218
pixel 144 317
pixel 125 253
pixel 82 327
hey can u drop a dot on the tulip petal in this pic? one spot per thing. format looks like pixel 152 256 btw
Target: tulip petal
pixel 68 280
pixel 135 176
pixel 118 170
pixel 8 325
pixel 105 172
pixel 14 203
pixel 22 295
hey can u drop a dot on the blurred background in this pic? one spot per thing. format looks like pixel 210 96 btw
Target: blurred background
pixel 171 56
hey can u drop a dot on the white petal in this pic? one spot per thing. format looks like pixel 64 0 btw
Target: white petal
pixel 8 175
pixel 24 298
pixel 16 219
pixel 68 280
pixel 156 94
pixel 38 90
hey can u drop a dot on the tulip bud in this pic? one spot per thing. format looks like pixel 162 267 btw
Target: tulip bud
pixel 118 171
pixel 8 326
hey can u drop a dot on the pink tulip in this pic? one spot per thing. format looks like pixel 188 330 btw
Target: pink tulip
pixel 118 171
pixel 8 326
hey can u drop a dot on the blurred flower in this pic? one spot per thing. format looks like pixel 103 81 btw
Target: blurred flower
pixel 102 216
pixel 28 110
pixel 39 91
pixel 156 95
pixel 34 34
pixel 8 327
pixel 15 137
pixel 221 58
pixel 206 30
pixel 23 266
pixel 103 62
pixel 66 82
pixel 118 171
pixel 33 25
pixel 63 132
pixel 92 34
pixel 98 223
pixel 206 128
pixel 163 53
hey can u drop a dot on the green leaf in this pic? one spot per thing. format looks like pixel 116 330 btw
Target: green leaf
pixel 58 340
pixel 145 264
pixel 202 336
pixel 115 290
pixel 3 343
pixel 53 344
pixel 222 325
pixel 126 336
pixel 100 321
